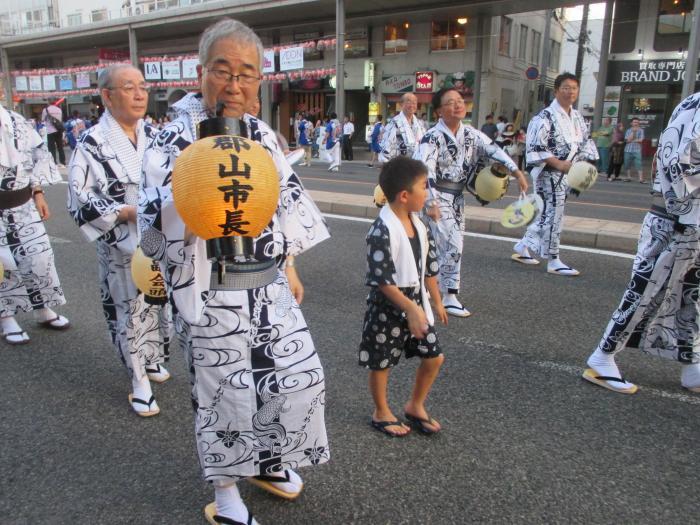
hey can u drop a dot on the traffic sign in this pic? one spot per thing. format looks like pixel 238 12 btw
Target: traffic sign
pixel 532 73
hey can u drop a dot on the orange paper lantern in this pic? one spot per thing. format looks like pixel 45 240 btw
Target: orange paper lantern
pixel 146 275
pixel 225 186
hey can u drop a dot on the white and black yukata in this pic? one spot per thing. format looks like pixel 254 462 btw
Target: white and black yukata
pixel 401 137
pixel 659 312
pixel 391 259
pixel 553 133
pixel 258 388
pixel 331 147
pixel 453 161
pixel 31 281
pixel 104 176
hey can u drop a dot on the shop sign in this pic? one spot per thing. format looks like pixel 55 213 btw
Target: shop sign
pixel 373 109
pixel 189 67
pixel 291 58
pixel 268 61
pixel 425 81
pixel 116 55
pixel 398 84
pixel 369 75
pixel 646 72
pixel 171 70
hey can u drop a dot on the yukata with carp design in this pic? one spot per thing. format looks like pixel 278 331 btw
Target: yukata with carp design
pixel 455 159
pixel 104 176
pixel 659 312
pixel 31 281
pixel 258 388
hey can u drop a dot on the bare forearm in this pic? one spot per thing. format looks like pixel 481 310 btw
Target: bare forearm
pixel 433 289
pixel 395 295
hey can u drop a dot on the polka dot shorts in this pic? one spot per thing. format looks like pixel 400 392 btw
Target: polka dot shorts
pixel 385 336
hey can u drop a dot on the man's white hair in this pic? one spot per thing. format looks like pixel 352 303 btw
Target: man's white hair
pixel 105 80
pixel 229 29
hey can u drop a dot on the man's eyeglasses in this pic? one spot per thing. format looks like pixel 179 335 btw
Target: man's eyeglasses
pixel 453 103
pixel 130 89
pixel 224 76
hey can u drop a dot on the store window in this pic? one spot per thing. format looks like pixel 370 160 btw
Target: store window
pixel 99 15
pixel 309 53
pixel 675 16
pixel 554 54
pixel 535 49
pixel 673 25
pixel 75 19
pixel 624 34
pixel 522 46
pixel 357 43
pixel 396 38
pixel 448 34
pixel 504 36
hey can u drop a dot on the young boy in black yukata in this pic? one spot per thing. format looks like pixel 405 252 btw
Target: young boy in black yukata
pixel 402 269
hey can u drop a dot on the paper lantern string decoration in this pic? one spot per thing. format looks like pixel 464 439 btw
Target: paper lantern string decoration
pixel 225 186
pixel 147 277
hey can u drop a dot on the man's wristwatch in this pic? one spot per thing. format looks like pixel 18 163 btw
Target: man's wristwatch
pixel 37 189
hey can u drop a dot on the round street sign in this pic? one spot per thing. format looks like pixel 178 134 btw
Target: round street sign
pixel 532 73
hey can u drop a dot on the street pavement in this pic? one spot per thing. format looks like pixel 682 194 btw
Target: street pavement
pixel 525 440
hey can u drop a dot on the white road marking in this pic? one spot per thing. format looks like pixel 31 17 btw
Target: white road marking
pixel 59 240
pixel 500 238
pixel 571 370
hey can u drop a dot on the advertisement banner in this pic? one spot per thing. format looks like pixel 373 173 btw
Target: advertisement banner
pixel 189 68
pixel 49 83
pixel 151 70
pixel 65 82
pixel 21 84
pixel 171 70
pixel 268 61
pixel 82 80
pixel 291 58
pixel 35 83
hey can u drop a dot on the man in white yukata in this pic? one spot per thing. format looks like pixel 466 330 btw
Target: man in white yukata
pixel 31 282
pixel 659 312
pixel 454 153
pixel 104 177
pixel 556 138
pixel 403 133
pixel 258 387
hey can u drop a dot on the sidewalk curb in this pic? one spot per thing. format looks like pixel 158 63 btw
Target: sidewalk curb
pixel 590 233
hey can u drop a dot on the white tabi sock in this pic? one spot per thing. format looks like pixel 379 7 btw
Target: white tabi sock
pixel 47 314
pixel 294 485
pixel 690 377
pixel 604 364
pixel 554 264
pixel 229 502
pixel 9 324
pixel 521 250
pixel 142 390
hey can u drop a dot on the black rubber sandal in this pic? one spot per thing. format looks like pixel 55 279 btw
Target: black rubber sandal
pixel 381 427
pixel 419 423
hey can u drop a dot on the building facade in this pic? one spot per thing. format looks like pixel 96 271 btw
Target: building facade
pixel 385 56
pixel 648 52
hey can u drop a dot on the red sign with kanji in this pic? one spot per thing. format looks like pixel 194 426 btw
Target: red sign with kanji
pixel 425 81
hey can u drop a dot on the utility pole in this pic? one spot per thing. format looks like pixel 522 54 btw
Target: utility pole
pixel 545 56
pixel 582 38
pixel 340 58
pixel 603 65
pixel 691 64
